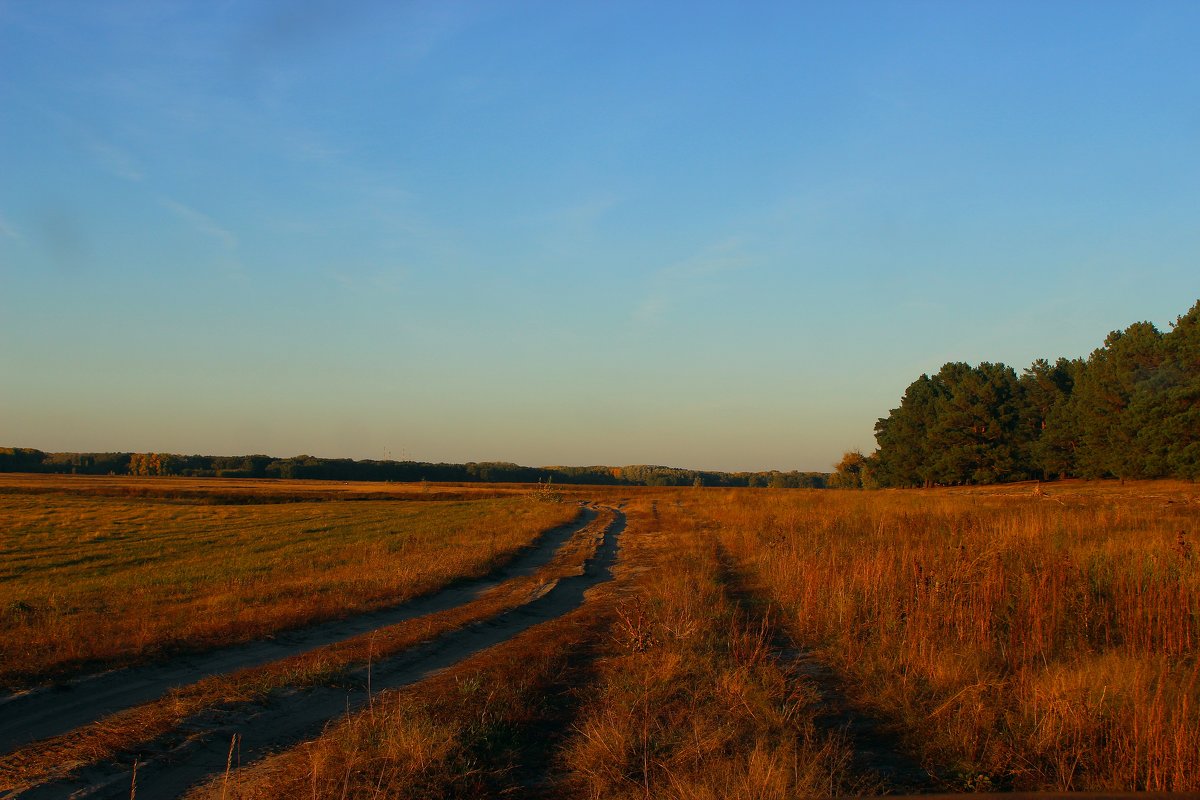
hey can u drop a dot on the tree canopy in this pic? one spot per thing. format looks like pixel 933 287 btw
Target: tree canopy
pixel 1131 409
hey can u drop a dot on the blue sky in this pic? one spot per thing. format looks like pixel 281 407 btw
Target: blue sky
pixel 712 235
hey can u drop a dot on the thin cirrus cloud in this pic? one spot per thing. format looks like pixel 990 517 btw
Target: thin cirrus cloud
pixel 103 153
pixel 7 231
pixel 201 222
pixel 674 283
pixel 115 160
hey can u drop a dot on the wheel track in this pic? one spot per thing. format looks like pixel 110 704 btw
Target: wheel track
pixel 45 712
pixel 877 754
pixel 294 716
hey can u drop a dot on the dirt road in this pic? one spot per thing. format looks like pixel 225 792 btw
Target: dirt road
pixel 292 717
pixel 46 712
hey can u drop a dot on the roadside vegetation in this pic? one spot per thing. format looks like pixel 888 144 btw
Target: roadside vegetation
pixel 1023 637
pixel 102 581
pixel 159 724
pixel 486 728
pixel 660 686
pixel 691 699
pixel 1019 638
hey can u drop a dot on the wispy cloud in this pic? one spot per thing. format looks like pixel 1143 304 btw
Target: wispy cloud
pixel 650 308
pixel 377 281
pixel 110 157
pixel 673 282
pixel 201 222
pixel 7 231
pixel 306 145
pixel 586 215
pixel 115 160
pixel 563 232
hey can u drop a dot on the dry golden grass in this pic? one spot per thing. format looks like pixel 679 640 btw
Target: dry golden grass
pixel 484 728
pixel 690 700
pixel 680 697
pixel 1018 637
pixel 479 730
pixel 139 727
pixel 103 580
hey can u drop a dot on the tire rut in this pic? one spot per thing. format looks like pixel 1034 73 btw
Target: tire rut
pixel 45 712
pixel 289 718
pixel 876 753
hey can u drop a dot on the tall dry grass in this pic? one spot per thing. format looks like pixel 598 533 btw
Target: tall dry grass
pixel 143 727
pixel 690 701
pixel 88 581
pixel 1018 638
pixel 659 686
pixel 484 728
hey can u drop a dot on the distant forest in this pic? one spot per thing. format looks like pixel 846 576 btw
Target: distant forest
pixel 1129 410
pixel 13 459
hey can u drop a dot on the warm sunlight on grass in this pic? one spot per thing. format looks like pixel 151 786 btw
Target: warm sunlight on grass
pixel 1016 637
pixel 477 730
pixel 333 664
pixel 113 580
pixel 1021 637
pixel 657 687
pixel 690 700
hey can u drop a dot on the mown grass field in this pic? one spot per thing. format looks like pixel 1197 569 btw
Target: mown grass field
pixel 105 578
pixel 996 638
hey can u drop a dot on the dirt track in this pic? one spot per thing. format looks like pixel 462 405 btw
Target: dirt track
pixel 292 717
pixel 46 712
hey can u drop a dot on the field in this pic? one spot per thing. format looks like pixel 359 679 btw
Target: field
pixel 110 572
pixel 686 643
pixel 1015 638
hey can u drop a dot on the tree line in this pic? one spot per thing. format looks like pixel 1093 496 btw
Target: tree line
pixel 14 459
pixel 1131 409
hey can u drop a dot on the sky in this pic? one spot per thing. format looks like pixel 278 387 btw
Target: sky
pixel 707 235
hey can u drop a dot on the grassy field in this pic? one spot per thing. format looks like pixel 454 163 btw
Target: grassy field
pixel 659 687
pixel 487 728
pixel 338 664
pixel 690 700
pixel 1028 637
pixel 1024 637
pixel 248 490
pixel 103 579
